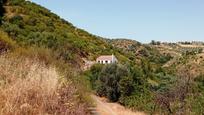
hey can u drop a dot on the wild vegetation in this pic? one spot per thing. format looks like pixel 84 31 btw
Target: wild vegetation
pixel 41 68
pixel 153 91
pixel 30 87
pixel 149 85
pixel 36 78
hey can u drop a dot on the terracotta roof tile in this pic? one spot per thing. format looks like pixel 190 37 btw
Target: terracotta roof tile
pixel 105 57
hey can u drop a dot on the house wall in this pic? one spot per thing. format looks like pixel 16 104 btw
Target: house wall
pixel 109 61
pixel 104 61
pixel 113 60
pixel 99 61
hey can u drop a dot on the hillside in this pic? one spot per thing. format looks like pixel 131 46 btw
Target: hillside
pixel 32 25
pixel 184 55
pixel 42 58
pixel 177 49
pixel 53 47
pixel 35 33
pixel 31 32
pixel 139 51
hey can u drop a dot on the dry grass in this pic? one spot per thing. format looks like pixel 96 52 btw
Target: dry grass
pixel 28 87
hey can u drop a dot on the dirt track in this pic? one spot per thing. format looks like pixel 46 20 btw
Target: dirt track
pixel 105 108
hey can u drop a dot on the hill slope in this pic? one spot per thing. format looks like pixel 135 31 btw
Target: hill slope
pixel 38 33
pixel 31 32
pixel 32 25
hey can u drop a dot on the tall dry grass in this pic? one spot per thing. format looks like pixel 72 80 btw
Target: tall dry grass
pixel 28 87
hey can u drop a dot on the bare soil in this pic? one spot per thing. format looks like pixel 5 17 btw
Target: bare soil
pixel 103 107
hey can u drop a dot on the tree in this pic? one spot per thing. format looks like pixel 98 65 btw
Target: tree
pixel 200 50
pixel 126 86
pixel 109 79
pixel 16 2
pixel 153 42
pixel 174 100
pixel 2 10
pixel 93 76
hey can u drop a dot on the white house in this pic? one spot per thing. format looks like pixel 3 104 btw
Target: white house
pixel 106 59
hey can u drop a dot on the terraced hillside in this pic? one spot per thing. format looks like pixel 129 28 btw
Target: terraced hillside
pixel 184 55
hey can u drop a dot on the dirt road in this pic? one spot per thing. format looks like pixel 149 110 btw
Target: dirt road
pixel 103 107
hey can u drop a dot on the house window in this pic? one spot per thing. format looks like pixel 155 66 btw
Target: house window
pixel 106 61
pixel 98 61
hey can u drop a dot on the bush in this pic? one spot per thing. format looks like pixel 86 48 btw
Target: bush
pixel 93 75
pixel 110 77
pixel 16 19
pixel 200 82
pixel 140 101
pixel 6 43
pixel 2 10
pixel 126 85
pixel 16 2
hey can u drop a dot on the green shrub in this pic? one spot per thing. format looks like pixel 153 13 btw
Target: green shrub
pixel 126 85
pixel 197 104
pixel 110 77
pixel 6 43
pixel 16 2
pixel 139 101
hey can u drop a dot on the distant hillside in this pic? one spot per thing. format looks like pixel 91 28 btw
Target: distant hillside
pixel 140 51
pixel 185 55
pixel 193 63
pixel 176 49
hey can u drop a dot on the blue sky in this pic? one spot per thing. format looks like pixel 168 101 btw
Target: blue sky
pixel 141 20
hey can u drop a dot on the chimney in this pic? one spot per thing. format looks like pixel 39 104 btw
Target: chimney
pixel 112 58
